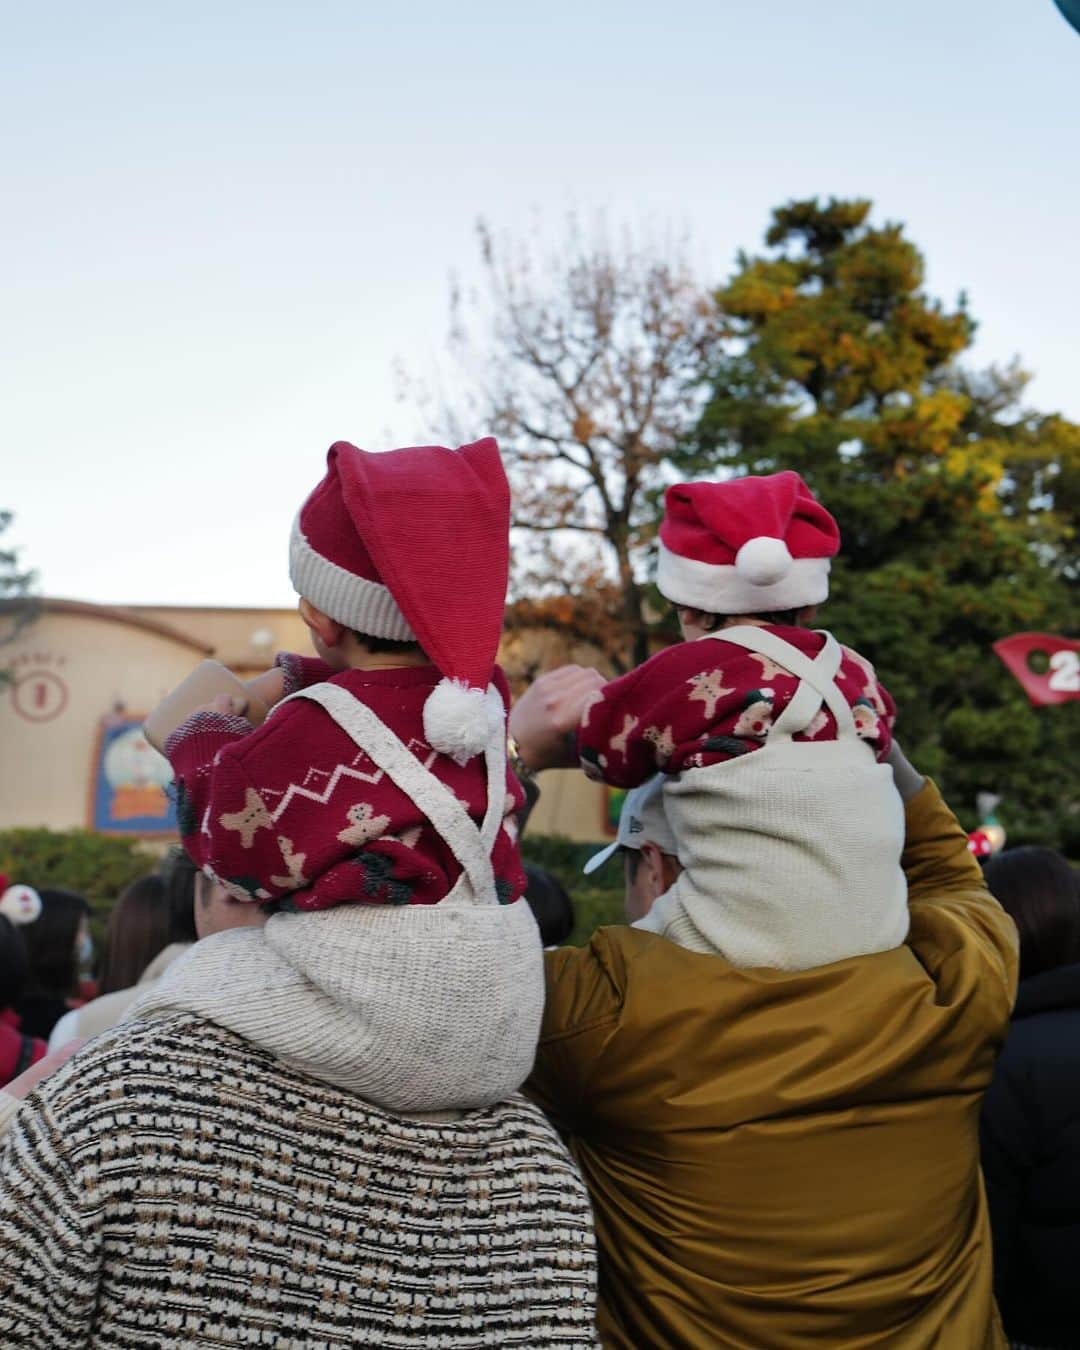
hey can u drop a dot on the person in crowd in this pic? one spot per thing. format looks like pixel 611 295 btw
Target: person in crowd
pixel 136 932
pixel 234 1122
pixel 1031 1115
pixel 151 925
pixel 319 1110
pixel 645 842
pixel 783 1158
pixel 18 1050
pixel 772 738
pixel 552 907
pixel 58 946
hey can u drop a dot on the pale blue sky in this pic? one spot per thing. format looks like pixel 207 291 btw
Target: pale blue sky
pixel 222 224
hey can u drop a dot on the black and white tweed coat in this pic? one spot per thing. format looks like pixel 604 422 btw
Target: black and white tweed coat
pixel 176 1186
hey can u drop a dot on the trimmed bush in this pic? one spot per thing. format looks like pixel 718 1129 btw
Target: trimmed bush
pixel 97 866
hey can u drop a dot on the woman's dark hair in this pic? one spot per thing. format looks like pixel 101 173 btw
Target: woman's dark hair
pixel 1040 892
pixel 551 906
pixel 50 943
pixel 179 873
pixel 13 963
pixel 137 930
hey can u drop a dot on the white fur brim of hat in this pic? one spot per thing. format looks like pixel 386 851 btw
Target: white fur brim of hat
pixel 361 605
pixel 761 580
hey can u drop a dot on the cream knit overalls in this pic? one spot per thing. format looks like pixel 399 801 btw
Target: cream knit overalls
pixel 791 853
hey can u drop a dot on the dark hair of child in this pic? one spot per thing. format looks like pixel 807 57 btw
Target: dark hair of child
pixel 552 908
pixel 377 645
pixel 780 618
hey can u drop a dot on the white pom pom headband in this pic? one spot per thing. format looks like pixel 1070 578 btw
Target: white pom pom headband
pixel 20 904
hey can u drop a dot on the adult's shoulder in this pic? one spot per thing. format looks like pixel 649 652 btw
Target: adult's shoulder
pixel 589 986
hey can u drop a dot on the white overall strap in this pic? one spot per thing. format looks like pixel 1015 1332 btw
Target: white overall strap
pixel 420 785
pixel 817 678
pixel 495 759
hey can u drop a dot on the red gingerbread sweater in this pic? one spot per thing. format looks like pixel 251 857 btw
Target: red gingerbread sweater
pixel 706 701
pixel 294 808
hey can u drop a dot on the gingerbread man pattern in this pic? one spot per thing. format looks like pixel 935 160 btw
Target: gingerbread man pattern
pixel 364 825
pixel 253 817
pixel 294 862
pixel 709 688
pixel 620 742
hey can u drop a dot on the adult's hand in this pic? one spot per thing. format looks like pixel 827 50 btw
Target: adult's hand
pixel 544 718
pixel 907 778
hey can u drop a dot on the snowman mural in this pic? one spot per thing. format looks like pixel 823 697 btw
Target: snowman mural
pixel 137 778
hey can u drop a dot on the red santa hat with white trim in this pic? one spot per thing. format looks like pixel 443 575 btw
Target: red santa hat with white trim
pixel 751 545
pixel 414 545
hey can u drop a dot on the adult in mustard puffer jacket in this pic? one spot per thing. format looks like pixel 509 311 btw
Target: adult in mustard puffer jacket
pixel 790 1160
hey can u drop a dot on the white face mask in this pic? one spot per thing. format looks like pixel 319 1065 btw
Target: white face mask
pixel 85 951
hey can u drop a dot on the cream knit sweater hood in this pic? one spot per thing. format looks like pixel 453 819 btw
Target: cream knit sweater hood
pixel 415 1009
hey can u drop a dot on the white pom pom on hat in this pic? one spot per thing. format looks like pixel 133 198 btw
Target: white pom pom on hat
pixel 763 561
pixel 20 904
pixel 460 720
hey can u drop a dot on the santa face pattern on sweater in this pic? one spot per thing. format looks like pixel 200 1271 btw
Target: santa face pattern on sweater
pixel 295 810
pixel 704 702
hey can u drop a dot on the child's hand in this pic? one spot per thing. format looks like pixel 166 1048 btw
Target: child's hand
pixel 544 718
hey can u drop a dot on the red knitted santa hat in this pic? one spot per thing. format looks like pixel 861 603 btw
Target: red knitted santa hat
pixel 748 546
pixel 413 545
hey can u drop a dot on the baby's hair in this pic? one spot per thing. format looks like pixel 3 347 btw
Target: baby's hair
pixel 782 618
pixel 378 644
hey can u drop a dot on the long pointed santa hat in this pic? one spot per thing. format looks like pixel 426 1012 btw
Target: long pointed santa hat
pixel 413 545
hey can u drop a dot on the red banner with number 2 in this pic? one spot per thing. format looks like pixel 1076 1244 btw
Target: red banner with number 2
pixel 1059 682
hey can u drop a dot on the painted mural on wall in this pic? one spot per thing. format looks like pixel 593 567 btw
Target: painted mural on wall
pixel 129 793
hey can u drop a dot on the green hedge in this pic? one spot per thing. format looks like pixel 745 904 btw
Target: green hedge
pixel 95 865
pixel 598 899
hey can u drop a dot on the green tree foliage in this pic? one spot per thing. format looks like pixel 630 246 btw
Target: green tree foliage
pixel 957 504
pixel 17 605
pixel 588 366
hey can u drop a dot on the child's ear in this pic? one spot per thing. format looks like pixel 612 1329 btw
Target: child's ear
pixel 326 629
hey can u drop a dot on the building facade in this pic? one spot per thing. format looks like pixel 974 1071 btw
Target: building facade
pixel 82 678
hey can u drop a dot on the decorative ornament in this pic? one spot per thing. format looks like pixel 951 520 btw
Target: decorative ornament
pixel 979 845
pixel 986 803
pixel 1060 682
